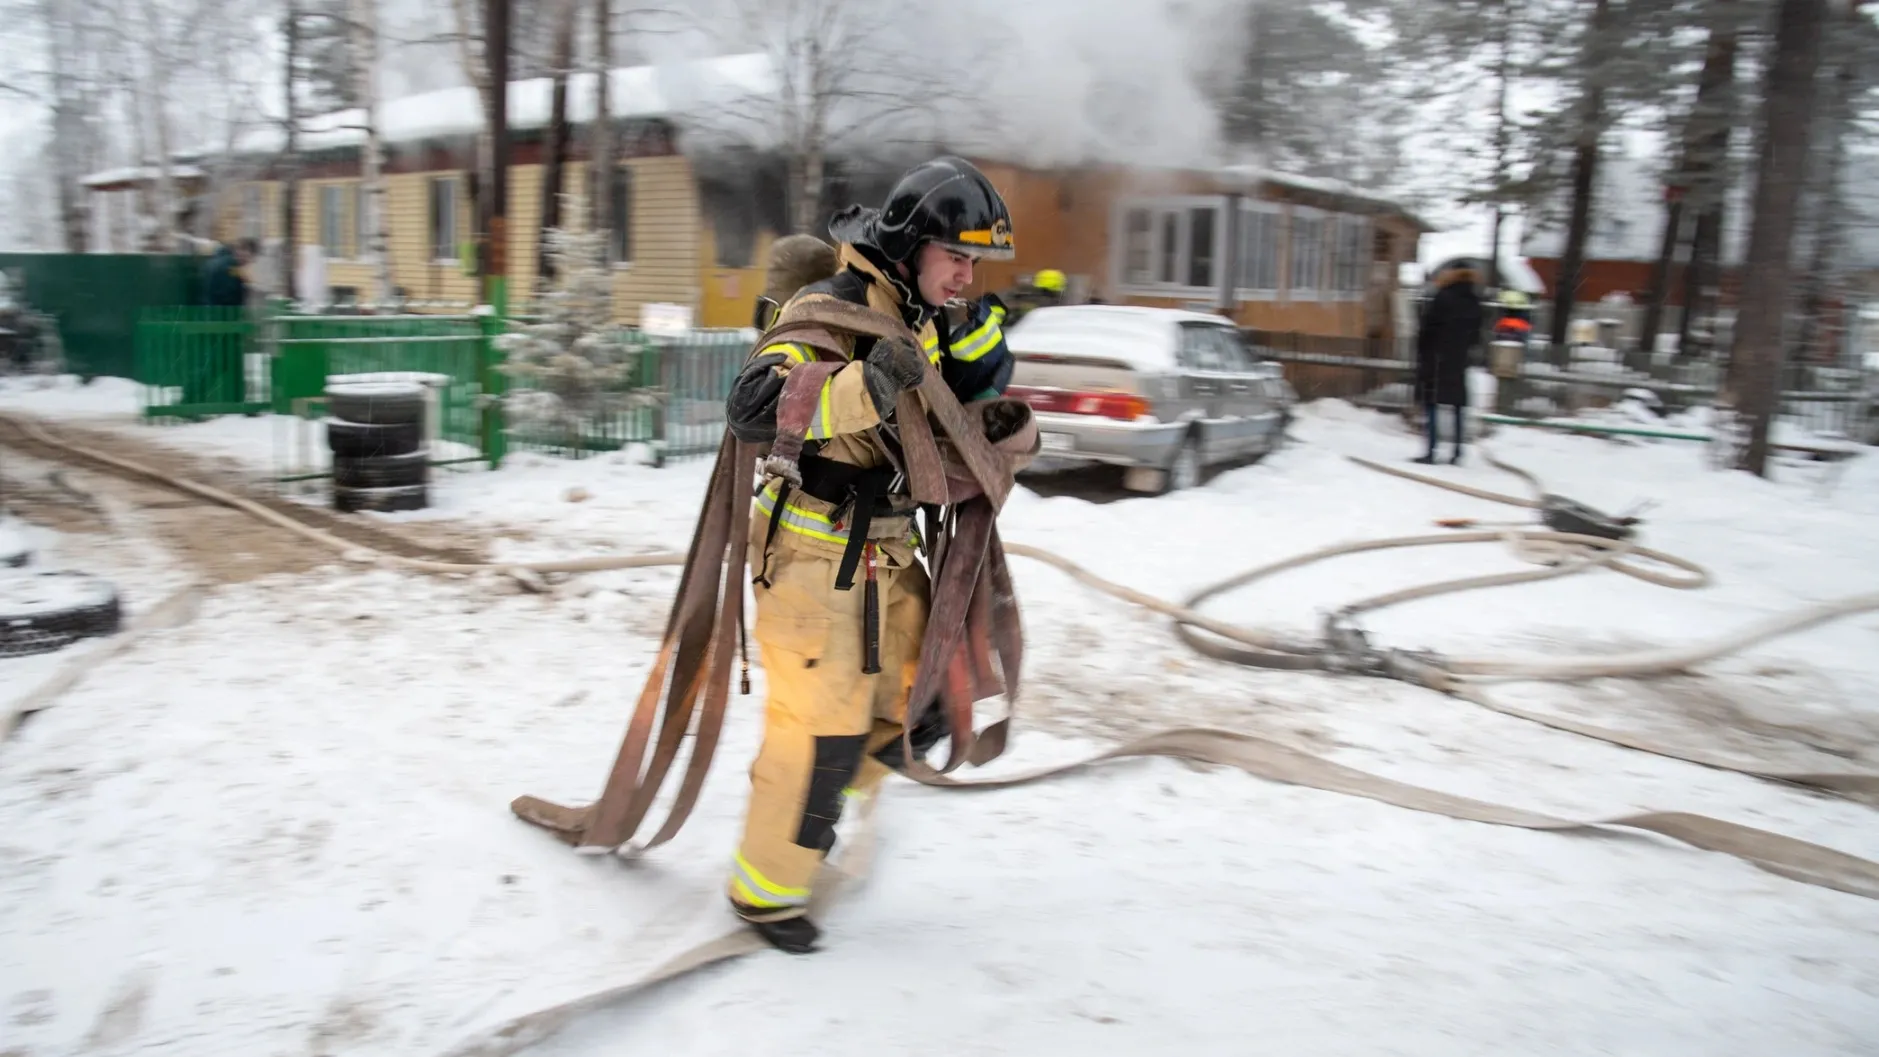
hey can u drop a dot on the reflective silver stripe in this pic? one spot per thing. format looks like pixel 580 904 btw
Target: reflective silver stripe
pixel 759 891
pixel 819 428
pixel 798 520
pixel 816 526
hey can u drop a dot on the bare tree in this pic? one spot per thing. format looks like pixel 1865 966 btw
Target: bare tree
pixel 1698 180
pixel 1786 131
pixel 364 28
pixel 1590 122
pixel 849 73
pixel 600 148
pixel 600 140
pixel 555 147
pixel 1848 59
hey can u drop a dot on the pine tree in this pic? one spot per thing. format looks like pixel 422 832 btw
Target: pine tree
pixel 574 366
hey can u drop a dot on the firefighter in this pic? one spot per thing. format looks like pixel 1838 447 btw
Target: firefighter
pixel 1044 290
pixel 1516 318
pixel 832 730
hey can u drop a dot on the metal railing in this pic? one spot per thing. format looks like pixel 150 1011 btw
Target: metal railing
pixel 199 362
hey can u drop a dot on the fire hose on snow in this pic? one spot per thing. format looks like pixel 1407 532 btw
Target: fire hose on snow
pixel 1342 648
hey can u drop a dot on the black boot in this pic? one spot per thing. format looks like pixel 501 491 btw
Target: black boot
pixel 1455 459
pixel 791 935
pixel 1424 460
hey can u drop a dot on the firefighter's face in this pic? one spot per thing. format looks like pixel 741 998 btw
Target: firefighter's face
pixel 944 273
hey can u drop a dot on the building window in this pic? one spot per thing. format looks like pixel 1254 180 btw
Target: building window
pixel 1138 248
pixel 1169 243
pixel 253 222
pixel 1307 253
pixel 1200 243
pixel 1259 249
pixel 332 220
pixel 1352 263
pixel 620 218
pixel 361 221
pixel 1170 270
pixel 444 218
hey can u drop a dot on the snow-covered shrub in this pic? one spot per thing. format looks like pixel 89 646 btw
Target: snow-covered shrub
pixel 573 367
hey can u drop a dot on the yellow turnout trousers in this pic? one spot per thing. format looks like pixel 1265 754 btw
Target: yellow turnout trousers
pixel 824 718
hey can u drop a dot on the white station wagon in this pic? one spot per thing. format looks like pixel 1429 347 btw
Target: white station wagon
pixel 1162 392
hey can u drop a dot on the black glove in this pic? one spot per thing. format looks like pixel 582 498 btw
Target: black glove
pixel 900 360
pixel 893 366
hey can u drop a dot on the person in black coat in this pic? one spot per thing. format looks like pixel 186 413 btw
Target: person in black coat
pixel 1450 330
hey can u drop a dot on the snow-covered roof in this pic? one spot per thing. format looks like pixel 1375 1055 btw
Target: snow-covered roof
pixel 1260 174
pixel 667 90
pixel 140 174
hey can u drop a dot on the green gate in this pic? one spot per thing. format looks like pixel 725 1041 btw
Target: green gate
pixel 98 299
pixel 199 361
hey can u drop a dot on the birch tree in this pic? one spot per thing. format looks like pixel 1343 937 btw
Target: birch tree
pixel 365 48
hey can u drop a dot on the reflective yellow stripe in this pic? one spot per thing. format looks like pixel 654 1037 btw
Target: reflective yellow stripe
pixel 802 522
pixel 759 891
pixel 979 342
pixel 796 352
pixel 808 522
pixel 819 428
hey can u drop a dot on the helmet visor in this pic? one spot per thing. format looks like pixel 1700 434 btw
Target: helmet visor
pixel 993 243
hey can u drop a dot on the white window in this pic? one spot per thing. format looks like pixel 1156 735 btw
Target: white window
pixel 620 217
pixel 1169 244
pixel 1138 246
pixel 332 220
pixel 444 218
pixel 1259 249
pixel 361 216
pixel 1351 263
pixel 253 222
pixel 1307 252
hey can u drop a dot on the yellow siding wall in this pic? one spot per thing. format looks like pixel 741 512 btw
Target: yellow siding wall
pixel 666 241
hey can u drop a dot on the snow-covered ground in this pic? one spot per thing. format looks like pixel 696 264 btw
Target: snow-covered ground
pixel 283 828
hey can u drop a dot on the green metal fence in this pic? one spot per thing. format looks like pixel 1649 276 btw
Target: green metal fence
pixel 688 379
pixel 198 362
pixel 448 352
pixel 98 299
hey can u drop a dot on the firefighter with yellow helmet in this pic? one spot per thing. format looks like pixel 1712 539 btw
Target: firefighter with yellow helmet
pixel 1043 290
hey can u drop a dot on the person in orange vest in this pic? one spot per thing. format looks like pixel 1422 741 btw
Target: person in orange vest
pixel 1516 318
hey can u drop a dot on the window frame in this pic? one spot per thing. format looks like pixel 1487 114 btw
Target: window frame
pixel 1357 268
pixel 361 237
pixel 620 245
pixel 1293 290
pixel 1160 251
pixel 331 215
pixel 1274 214
pixel 452 198
pixel 254 212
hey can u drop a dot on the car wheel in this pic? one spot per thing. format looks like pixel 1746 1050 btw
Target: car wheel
pixel 1185 471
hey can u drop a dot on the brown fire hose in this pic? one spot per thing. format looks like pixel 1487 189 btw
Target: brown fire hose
pixel 1799 860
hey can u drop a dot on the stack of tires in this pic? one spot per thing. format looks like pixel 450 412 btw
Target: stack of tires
pixel 376 433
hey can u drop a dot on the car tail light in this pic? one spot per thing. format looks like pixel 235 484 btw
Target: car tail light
pixel 1125 407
